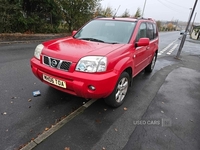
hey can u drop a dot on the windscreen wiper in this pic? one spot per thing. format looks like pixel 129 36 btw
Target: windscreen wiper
pixel 113 43
pixel 92 39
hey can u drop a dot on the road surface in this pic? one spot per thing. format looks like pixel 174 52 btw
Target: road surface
pixel 24 117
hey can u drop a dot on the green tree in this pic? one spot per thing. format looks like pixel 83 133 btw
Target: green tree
pixel 98 11
pixel 138 13
pixel 105 12
pixel 108 12
pixel 41 15
pixel 126 13
pixel 29 16
pixel 77 12
pixel 9 11
pixel 36 16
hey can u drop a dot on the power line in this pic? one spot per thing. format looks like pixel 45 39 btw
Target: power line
pixel 168 6
pixel 177 4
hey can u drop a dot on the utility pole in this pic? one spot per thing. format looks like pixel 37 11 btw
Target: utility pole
pixel 193 23
pixel 144 8
pixel 189 19
pixel 186 30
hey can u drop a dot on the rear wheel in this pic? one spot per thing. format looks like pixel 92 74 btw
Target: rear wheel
pixel 116 98
pixel 150 67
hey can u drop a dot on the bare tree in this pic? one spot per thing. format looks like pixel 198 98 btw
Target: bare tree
pixel 158 25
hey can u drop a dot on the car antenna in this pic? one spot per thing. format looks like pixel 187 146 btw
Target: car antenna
pixel 116 12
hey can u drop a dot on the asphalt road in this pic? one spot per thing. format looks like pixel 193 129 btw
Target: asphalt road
pixel 24 117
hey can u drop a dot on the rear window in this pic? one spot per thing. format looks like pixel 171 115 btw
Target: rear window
pixel 150 31
pixel 155 31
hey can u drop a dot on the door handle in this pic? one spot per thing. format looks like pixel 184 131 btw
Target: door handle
pixel 147 48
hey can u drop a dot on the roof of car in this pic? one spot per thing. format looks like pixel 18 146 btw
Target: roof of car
pixel 120 19
pixel 124 19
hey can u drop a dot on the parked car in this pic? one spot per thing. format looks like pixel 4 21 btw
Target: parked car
pixel 183 32
pixel 100 59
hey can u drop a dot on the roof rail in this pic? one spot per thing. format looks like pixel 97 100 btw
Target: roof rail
pixel 145 18
pixel 140 18
pixel 150 19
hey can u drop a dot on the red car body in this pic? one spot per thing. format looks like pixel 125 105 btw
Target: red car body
pixel 132 57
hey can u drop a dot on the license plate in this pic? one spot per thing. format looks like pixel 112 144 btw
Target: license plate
pixel 54 81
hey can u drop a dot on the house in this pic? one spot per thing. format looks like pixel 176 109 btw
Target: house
pixel 195 33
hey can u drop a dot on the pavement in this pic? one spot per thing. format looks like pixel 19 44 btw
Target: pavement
pixel 168 118
pixel 177 103
pixel 189 39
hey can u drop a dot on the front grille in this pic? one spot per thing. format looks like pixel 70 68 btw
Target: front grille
pixel 46 60
pixel 65 65
pixel 56 63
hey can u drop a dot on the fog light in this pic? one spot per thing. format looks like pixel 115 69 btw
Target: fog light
pixel 91 87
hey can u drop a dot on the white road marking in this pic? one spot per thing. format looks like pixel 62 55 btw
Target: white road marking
pixel 54 128
pixel 169 53
pixel 166 48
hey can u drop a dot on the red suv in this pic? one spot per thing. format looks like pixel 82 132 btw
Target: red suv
pixel 100 59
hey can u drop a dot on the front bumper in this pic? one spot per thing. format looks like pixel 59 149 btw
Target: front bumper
pixel 78 82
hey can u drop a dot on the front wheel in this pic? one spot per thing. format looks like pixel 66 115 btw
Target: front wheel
pixel 150 67
pixel 116 98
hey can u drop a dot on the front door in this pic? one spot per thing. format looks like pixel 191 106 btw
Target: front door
pixel 141 53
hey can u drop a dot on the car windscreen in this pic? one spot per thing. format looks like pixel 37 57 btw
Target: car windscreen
pixel 107 31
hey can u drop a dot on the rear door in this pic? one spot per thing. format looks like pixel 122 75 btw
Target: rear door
pixel 152 34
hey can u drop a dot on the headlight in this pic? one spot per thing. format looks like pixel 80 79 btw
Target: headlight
pixel 92 64
pixel 38 51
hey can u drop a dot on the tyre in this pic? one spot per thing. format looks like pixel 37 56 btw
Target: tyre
pixel 150 67
pixel 116 98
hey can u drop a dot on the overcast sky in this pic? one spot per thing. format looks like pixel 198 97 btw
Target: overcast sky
pixel 157 9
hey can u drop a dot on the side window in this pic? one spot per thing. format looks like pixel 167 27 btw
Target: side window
pixel 155 31
pixel 150 31
pixel 142 32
